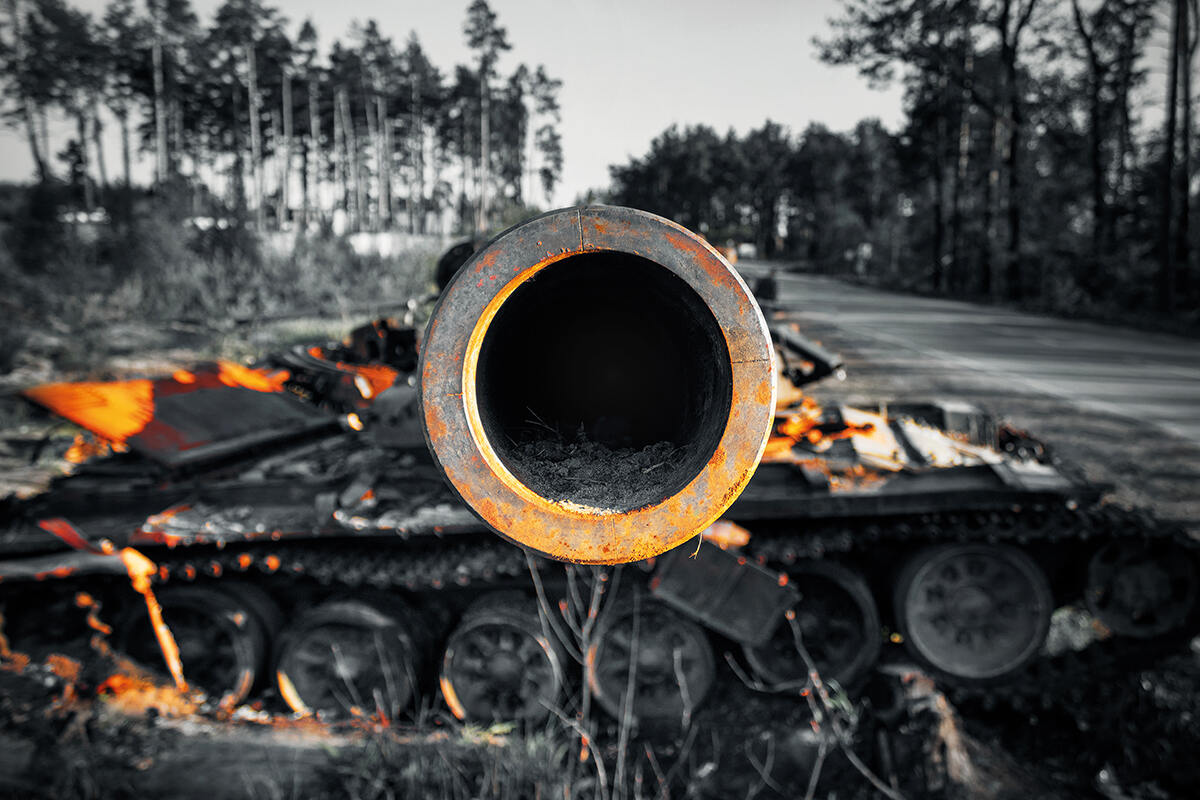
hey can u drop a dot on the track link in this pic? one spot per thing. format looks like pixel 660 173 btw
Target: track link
pixel 1047 680
pixel 435 565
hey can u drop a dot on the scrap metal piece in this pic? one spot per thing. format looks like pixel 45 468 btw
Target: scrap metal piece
pixel 207 413
pixel 733 596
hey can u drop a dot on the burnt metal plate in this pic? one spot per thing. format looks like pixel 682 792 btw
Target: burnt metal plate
pixel 951 416
pixel 214 422
pixel 213 411
pixel 723 590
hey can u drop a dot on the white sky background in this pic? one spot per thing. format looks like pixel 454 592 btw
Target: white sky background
pixel 630 68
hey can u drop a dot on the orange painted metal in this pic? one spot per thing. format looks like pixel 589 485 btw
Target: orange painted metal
pixel 450 406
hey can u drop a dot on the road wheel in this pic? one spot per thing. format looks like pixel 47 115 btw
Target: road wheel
pixel 499 665
pixel 973 611
pixel 1141 589
pixel 667 656
pixel 222 644
pixel 348 658
pixel 839 626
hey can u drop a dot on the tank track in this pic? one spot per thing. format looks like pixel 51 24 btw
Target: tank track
pixel 486 562
pixel 1046 681
pixel 353 565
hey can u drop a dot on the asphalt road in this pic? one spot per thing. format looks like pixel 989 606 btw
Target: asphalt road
pixel 1146 377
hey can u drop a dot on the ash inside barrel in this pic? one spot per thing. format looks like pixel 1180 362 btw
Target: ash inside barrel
pixel 593 474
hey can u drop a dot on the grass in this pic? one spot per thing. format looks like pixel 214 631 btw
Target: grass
pixel 457 765
pixel 76 296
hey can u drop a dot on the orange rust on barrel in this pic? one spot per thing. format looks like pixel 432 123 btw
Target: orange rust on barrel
pixel 560 528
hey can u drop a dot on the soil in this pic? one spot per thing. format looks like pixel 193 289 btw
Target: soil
pixel 592 474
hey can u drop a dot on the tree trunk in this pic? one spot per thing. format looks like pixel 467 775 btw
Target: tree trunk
pixel 960 177
pixel 1184 173
pixel 277 163
pixel 160 107
pixel 464 222
pixel 340 176
pixel 44 131
pixel 416 186
pixel 1095 79
pixel 1012 260
pixel 531 150
pixel 126 204
pixel 238 182
pixel 126 164
pixel 1096 162
pixel 383 162
pixel 374 141
pixel 1166 276
pixel 939 190
pixel 353 166
pixel 89 200
pixel 28 116
pixel 285 181
pixel 312 164
pixel 175 126
pixel 1123 155
pixel 436 156
pixel 990 200
pixel 27 112
pixel 375 137
pixel 256 165
pixel 485 104
pixel 101 167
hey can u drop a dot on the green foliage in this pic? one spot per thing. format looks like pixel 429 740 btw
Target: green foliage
pixel 34 233
pixel 376 134
pixel 510 214
pixel 830 192
pixel 65 276
pixel 1020 171
pixel 219 275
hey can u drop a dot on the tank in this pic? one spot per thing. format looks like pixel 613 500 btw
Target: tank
pixel 318 540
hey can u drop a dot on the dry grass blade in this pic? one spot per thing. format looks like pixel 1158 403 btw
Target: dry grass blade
pixel 764 771
pixel 627 700
pixel 834 714
pixel 596 756
pixel 684 695
pixel 815 777
pixel 658 773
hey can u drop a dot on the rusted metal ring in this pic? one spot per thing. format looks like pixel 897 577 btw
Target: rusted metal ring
pixel 449 402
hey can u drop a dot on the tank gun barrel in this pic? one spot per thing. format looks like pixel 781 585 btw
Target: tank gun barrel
pixel 597 384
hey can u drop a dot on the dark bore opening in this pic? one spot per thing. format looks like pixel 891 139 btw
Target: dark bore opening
pixel 604 380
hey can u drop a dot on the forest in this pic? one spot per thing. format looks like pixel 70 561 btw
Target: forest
pixel 275 151
pixel 244 117
pixel 1045 159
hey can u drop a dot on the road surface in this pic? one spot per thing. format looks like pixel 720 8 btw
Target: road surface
pixel 1125 401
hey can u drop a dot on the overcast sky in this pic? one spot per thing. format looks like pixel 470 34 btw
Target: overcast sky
pixel 629 68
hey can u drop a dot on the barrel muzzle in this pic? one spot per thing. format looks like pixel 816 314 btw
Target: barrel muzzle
pixel 597 384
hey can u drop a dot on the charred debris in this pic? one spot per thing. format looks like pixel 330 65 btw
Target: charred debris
pixel 308 558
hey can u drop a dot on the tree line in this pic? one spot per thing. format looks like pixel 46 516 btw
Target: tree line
pixel 244 117
pixel 1030 166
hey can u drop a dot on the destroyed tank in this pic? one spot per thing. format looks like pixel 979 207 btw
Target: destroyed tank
pixel 313 542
